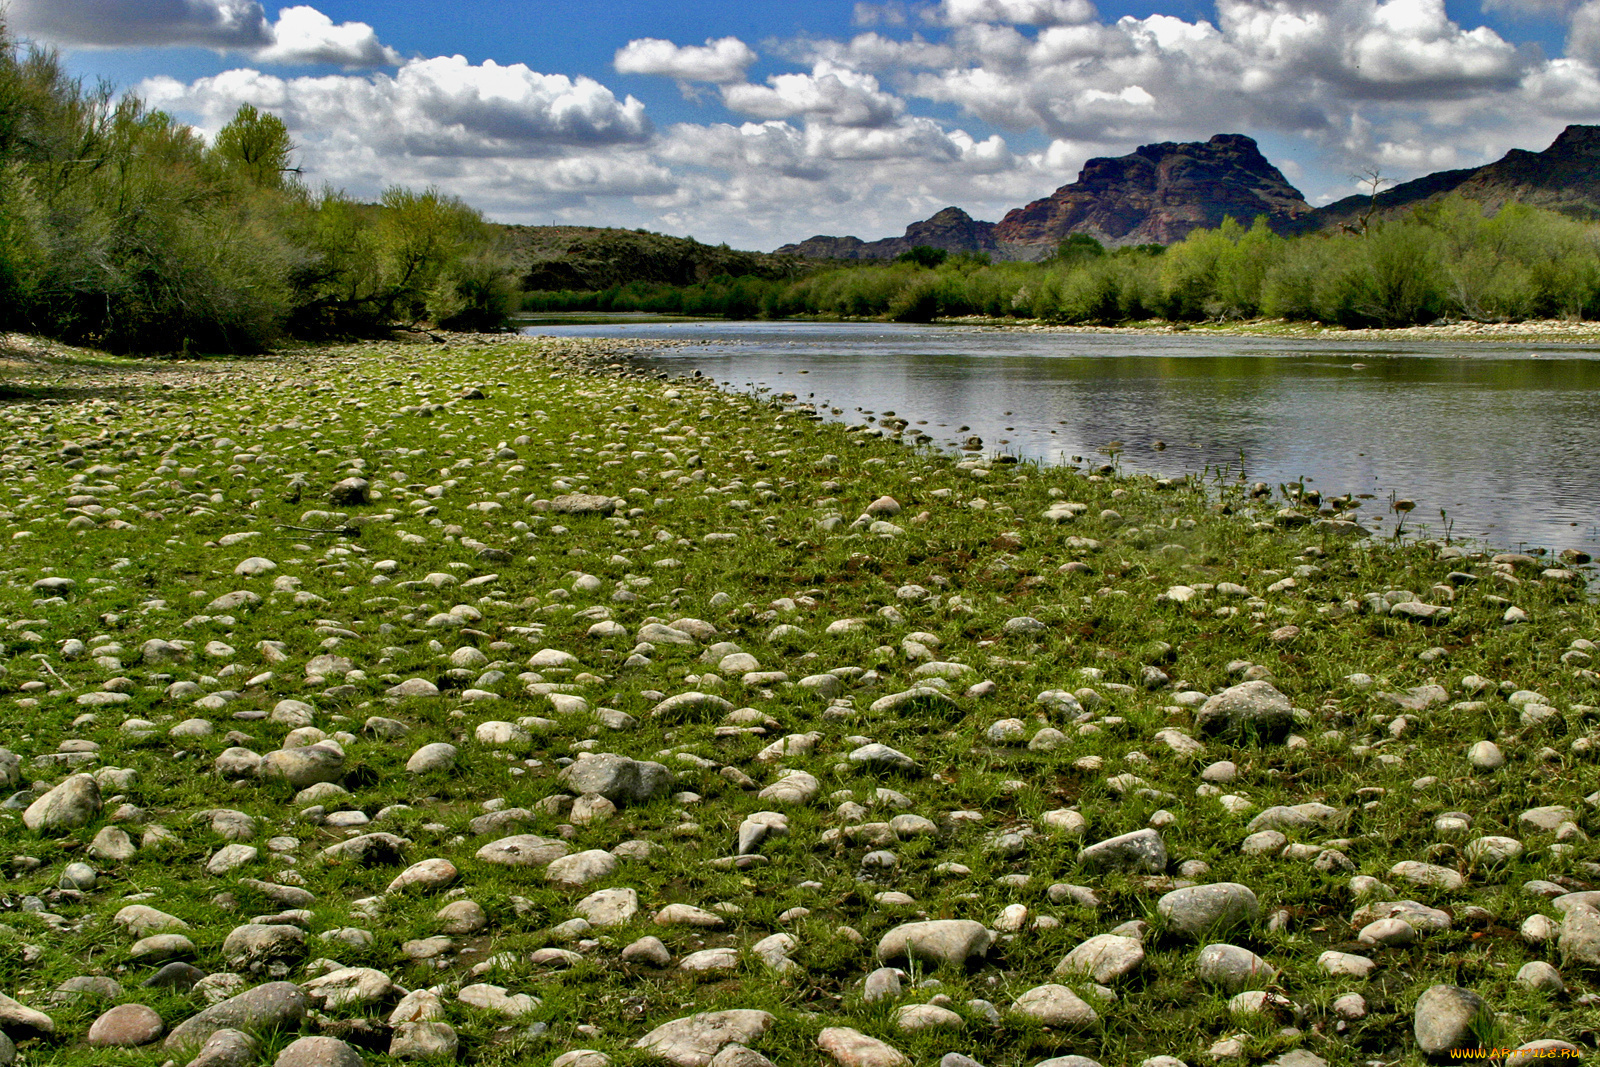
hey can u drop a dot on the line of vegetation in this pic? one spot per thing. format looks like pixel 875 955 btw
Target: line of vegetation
pixel 121 228
pixel 1444 260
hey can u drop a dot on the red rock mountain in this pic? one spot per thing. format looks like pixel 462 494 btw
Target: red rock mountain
pixel 1155 195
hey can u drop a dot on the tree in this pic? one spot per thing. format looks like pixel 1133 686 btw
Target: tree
pixel 923 256
pixel 256 146
pixel 1078 247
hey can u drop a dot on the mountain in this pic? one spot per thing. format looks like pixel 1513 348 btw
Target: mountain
pixel 951 229
pixel 1155 195
pixel 1564 177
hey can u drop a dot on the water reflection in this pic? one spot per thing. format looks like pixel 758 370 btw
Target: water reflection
pixel 1501 437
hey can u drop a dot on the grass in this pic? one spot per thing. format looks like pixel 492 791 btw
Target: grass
pixel 689 461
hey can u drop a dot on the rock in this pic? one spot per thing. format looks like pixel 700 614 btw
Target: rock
pixel 126 1026
pixel 159 947
pixel 424 1040
pixel 272 1006
pixel 1540 977
pixel 229 857
pixel 1201 909
pixel 1054 1005
pixel 302 767
pixel 686 915
pixel 709 960
pixel 349 986
pixel 1445 1019
pixel 175 975
pixel 619 779
pixel 1139 852
pixel 794 787
pixel 367 850
pixel 694 1040
pixel 948 942
pixel 426 875
pixel 1104 957
pixel 496 999
pixel 1345 964
pixel 413 687
pixel 350 492
pixel 112 845
pixel 649 951
pixel 461 917
pixel 582 504
pixel 227 1048
pixel 73 803
pixel 581 868
pixel 142 920
pixel 1250 711
pixel 318 1052
pixel 1233 968
pixel 609 907
pixel 913 1017
pixel 1429 874
pixel 583 1057
pixel 882 757
pixel 739 1056
pixel 852 1048
pixel 255 946
pixel 18 1020
pixel 1579 943
pixel 1486 756
pixel 437 758
pixel 522 850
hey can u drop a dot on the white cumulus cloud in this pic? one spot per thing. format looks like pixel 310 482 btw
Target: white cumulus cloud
pixel 838 94
pixel 305 35
pixel 718 61
pixel 1015 12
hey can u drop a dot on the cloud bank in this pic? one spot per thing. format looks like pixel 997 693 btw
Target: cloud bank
pixel 301 35
pixel 982 103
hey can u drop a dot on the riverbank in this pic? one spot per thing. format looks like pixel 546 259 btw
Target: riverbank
pixel 1547 330
pixel 341 634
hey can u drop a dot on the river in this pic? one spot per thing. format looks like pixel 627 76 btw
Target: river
pixel 1494 442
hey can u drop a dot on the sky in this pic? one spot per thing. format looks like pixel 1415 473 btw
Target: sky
pixel 756 122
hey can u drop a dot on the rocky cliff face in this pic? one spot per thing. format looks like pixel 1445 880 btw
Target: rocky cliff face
pixel 1564 177
pixel 1155 195
pixel 951 229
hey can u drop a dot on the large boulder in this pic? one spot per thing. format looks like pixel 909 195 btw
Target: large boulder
pixel 617 778
pixel 1251 711
pixel 73 803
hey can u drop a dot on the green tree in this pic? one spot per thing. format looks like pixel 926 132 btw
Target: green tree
pixel 256 147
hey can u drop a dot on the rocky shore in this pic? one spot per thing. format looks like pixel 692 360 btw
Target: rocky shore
pixel 492 701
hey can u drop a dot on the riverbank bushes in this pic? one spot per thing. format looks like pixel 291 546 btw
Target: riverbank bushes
pixel 124 229
pixel 1447 260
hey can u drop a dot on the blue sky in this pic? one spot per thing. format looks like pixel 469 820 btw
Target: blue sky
pixel 759 122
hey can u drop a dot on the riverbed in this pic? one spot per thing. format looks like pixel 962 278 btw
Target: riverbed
pixel 1492 441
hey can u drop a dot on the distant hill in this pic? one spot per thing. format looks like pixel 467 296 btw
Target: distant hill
pixel 1564 177
pixel 592 258
pixel 952 230
pixel 1156 194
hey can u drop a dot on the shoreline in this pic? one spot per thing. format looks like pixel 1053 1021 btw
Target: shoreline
pixel 530 684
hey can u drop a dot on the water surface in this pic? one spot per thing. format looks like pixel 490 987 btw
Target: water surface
pixel 1502 437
